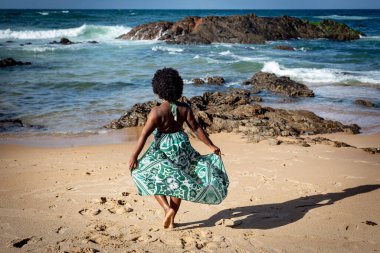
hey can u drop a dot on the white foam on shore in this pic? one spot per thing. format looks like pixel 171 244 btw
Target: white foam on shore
pixel 86 31
pixel 314 75
pixel 339 17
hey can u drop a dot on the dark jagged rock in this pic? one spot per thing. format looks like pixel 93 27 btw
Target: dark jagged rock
pixel 233 111
pixel 63 41
pixel 283 47
pixel 136 116
pixel 27 43
pixel 11 124
pixel 209 80
pixel 93 42
pixel 246 29
pixel 364 102
pixel 197 81
pixel 215 80
pixel 283 85
pixel 12 62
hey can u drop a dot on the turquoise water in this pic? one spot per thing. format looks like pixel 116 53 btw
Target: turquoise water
pixel 81 87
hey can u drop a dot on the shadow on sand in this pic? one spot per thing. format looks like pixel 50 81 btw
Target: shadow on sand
pixel 279 214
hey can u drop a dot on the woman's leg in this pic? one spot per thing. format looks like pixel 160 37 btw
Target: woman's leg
pixel 169 212
pixel 163 201
pixel 174 204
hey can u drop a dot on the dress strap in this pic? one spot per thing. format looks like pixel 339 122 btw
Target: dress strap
pixel 173 109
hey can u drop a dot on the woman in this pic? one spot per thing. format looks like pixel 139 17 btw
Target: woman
pixel 171 168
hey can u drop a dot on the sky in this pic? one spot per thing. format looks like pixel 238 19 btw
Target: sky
pixel 190 4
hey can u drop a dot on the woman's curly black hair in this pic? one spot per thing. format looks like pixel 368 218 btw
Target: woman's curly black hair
pixel 167 84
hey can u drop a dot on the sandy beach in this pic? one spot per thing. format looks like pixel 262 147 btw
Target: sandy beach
pixel 282 198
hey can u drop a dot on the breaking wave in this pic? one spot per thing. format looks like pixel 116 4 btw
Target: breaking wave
pixel 314 75
pixel 339 17
pixel 86 31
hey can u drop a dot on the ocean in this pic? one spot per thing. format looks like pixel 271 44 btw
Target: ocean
pixel 79 88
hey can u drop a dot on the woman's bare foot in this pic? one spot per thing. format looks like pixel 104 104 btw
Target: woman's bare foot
pixel 169 218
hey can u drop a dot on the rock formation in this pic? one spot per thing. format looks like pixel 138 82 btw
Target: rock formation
pixel 284 47
pixel 63 41
pixel 234 111
pixel 209 80
pixel 364 102
pixel 246 29
pixel 11 124
pixel 7 62
pixel 282 85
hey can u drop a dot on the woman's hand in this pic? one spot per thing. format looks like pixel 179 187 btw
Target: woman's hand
pixel 216 150
pixel 132 163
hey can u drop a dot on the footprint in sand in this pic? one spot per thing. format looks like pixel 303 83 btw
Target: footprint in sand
pixel 110 235
pixel 204 240
pixel 90 212
pixel 20 243
pixel 101 227
pixel 53 207
pixel 120 210
pixel 116 206
pixel 61 230
pixel 81 250
pixel 228 222
pixel 147 238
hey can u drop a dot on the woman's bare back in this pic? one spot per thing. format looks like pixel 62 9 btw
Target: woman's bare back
pixel 165 117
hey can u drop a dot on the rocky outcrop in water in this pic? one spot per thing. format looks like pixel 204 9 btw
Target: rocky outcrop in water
pixel 364 102
pixel 285 48
pixel 11 124
pixel 282 85
pixel 246 29
pixel 209 80
pixel 63 41
pixel 234 111
pixel 12 62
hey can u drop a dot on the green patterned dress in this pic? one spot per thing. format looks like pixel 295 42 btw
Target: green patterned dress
pixel 172 167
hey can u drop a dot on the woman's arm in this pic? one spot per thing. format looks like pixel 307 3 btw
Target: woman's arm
pixel 200 133
pixel 150 125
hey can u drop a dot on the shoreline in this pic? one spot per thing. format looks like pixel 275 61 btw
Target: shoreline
pixel 110 137
pixel 131 135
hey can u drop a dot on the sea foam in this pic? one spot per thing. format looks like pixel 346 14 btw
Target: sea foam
pixel 325 75
pixel 339 17
pixel 167 49
pixel 86 31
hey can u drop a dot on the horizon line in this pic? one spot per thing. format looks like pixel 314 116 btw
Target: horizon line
pixel 178 9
